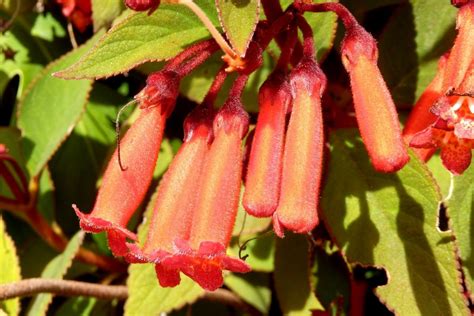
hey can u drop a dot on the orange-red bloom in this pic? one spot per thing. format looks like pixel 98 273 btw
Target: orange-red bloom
pixel 452 129
pixel 203 256
pixel 262 183
pixel 123 189
pixel 302 160
pixel 176 199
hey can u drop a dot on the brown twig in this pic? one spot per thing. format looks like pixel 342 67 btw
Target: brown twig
pixel 31 287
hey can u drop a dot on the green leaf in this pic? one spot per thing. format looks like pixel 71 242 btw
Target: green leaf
pixel 416 36
pixel 105 11
pixel 461 212
pixel 239 19
pixel 140 38
pixel 389 221
pixel 50 109
pixel 260 251
pixel 146 297
pixel 10 269
pixel 77 306
pixel 87 149
pixel 56 269
pixel 254 288
pixel 292 276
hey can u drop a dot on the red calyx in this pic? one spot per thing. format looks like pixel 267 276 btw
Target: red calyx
pixel 143 5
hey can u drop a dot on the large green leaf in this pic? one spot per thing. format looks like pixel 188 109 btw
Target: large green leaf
pixel 389 221
pixel 50 109
pixel 56 269
pixel 105 11
pixel 140 38
pixel 10 269
pixel 461 211
pixel 292 276
pixel 410 45
pixel 252 288
pixel 239 19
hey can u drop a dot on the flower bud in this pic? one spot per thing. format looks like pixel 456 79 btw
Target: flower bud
pixel 302 161
pixel 262 185
pixel 375 110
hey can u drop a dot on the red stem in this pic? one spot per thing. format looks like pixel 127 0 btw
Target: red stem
pixel 342 12
pixel 21 175
pixel 185 68
pixel 238 87
pixel 216 86
pixel 189 52
pixel 308 43
pixel 288 47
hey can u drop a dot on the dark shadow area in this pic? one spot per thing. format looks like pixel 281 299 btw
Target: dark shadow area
pixel 8 100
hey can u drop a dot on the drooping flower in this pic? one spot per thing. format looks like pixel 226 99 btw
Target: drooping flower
pixel 303 153
pixel 176 198
pixel 374 107
pixel 79 12
pixel 123 188
pixel 262 184
pixel 375 111
pixel 203 257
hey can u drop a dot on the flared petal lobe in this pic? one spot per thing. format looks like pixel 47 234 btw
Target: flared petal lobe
pixel 262 185
pixel 302 160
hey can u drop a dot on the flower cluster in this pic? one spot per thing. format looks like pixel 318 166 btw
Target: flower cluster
pixel 443 117
pixel 198 197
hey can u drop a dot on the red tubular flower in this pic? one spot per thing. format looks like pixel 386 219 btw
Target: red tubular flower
pixel 462 53
pixel 302 160
pixel 204 257
pixel 177 198
pixel 375 110
pixel 123 190
pixel 262 185
pixel 420 116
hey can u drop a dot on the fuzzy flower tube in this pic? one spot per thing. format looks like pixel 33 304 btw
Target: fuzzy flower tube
pixel 124 187
pixel 203 257
pixel 262 185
